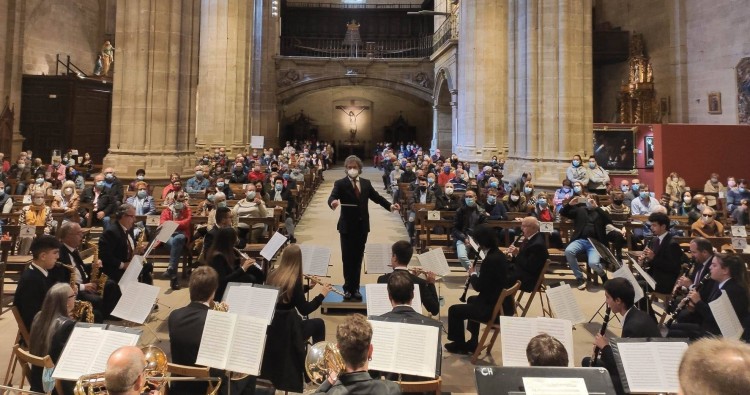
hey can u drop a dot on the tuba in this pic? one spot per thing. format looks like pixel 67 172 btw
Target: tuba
pixel 97 277
pixel 82 310
pixel 322 359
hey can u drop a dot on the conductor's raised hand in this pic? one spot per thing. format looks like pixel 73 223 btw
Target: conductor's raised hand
pixel 335 204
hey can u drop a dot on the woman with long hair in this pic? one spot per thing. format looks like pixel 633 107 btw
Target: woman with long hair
pixel 288 278
pixel 229 265
pixel 51 328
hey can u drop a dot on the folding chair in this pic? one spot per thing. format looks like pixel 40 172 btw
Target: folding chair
pixel 493 324
pixel 22 334
pixel 427 386
pixel 539 288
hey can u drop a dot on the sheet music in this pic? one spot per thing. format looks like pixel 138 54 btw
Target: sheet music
pixel 564 304
pixel 378 258
pixel 546 227
pixel 258 302
pixel 379 304
pixel 434 261
pixel 136 302
pixel 726 317
pixel 131 273
pixel 554 386
pixel 315 259
pixel 624 272
pixel 516 332
pixel 216 339
pixel 650 280
pixel 248 343
pixel 652 366
pixel 165 231
pixel 404 348
pixel 88 349
pixel 111 341
pixel 273 245
pixel 739 231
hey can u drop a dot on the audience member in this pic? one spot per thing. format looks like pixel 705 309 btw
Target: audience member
pixel 198 183
pixel 576 172
pixel 707 226
pixel 598 177
pixel 735 195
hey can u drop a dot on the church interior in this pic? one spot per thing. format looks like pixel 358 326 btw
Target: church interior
pixel 651 92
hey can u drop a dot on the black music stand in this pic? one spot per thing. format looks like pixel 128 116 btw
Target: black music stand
pixel 496 380
pixel 604 255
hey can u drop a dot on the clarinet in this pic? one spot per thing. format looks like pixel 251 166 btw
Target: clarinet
pixel 677 289
pixel 597 350
pixel 684 302
pixel 468 282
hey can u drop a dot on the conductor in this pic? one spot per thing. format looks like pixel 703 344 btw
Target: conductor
pixel 352 194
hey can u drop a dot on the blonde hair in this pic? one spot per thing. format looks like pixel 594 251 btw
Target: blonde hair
pixel 288 273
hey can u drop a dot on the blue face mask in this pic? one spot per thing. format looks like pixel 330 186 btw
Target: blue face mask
pixel 109 176
pixel 636 187
pixel 566 189
pixel 491 199
pixel 644 195
pixel 542 202
pixel 493 185
pixel 447 169
pixel 576 163
pixel 285 176
pixel 741 189
pixel 40 181
pixel 430 180
pixel 528 190
pixel 279 187
pixel 210 197
pixel 592 165
pixel 100 184
pixel 469 202
pixel 220 184
pixel 221 204
pixel 624 189
pixel 577 189
pixel 142 194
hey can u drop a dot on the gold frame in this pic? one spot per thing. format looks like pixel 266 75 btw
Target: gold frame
pixel 714 102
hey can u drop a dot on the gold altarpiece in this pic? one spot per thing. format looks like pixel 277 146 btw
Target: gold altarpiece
pixel 637 98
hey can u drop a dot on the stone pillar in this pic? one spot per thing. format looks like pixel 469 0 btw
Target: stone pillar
pixel 224 75
pixel 153 104
pixel 12 27
pixel 482 79
pixel 264 119
pixel 550 96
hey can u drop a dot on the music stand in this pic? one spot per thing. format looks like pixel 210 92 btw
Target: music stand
pixel 604 255
pixel 509 380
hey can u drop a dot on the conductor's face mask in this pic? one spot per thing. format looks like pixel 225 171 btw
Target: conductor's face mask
pixel 353 173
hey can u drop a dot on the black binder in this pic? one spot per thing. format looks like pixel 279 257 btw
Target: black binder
pixel 497 380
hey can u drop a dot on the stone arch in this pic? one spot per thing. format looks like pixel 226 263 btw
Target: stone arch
pixel 400 88
pixel 442 132
pixel 443 76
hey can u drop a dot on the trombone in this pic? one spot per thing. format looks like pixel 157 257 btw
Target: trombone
pixel 316 280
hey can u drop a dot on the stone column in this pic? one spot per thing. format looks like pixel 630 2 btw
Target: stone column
pixel 224 75
pixel 153 104
pixel 12 27
pixel 482 79
pixel 264 119
pixel 550 99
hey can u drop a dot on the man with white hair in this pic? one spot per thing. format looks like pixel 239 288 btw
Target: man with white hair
pixel 528 259
pixel 124 374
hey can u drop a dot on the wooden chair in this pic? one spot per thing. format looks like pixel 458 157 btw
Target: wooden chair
pixel 427 386
pixel 539 288
pixel 660 297
pixel 26 359
pixel 21 335
pixel 190 371
pixel 493 324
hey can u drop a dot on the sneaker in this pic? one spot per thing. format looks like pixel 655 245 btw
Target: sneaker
pixel 581 283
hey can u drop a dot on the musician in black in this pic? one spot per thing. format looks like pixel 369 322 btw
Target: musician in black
pixel 528 259
pixel 38 277
pixel 620 295
pixel 702 252
pixel 729 273
pixel 493 279
pixel 663 257
pixel 400 257
pixel 231 267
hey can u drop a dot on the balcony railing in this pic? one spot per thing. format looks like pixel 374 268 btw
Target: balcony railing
pixel 448 30
pixel 353 6
pixel 335 48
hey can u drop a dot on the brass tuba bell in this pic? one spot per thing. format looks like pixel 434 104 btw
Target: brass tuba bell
pixel 323 358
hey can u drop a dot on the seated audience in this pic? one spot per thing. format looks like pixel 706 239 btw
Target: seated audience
pixel 279 193
pixel 644 204
pixel 598 177
pixel 170 188
pixel 448 200
pixel 36 214
pixel 198 183
pixel 735 195
pixel 514 202
pixel 713 186
pixel 140 176
pixel 467 218
pixel 562 193
pixel 67 202
pixel 104 202
pixel 675 186
pixel 178 212
pixel 740 213
pixel 252 206
pixel 707 226
pixel 223 186
pixel 41 185
pixel 576 172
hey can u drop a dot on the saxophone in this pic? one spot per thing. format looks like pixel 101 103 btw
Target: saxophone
pixel 82 310
pixel 97 277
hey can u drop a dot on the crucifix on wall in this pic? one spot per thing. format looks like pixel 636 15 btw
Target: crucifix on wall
pixel 350 112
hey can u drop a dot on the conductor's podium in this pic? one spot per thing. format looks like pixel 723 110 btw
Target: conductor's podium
pixel 336 301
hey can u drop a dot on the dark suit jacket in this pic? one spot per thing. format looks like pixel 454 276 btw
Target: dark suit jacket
pixel 637 324
pixel 529 262
pixel 113 250
pixel 580 217
pixel 67 258
pixel 665 267
pixel 117 190
pixel 185 331
pixel 285 196
pixel 493 280
pixel 355 219
pixel 737 295
pixel 359 383
pixel 236 275
pixel 107 201
pixel 427 292
pixel 31 290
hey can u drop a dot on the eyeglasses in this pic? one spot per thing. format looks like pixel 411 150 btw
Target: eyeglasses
pixel 708 215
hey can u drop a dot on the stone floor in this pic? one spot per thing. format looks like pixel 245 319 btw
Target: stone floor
pixel 318 226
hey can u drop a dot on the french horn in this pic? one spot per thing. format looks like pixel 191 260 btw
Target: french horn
pixel 322 359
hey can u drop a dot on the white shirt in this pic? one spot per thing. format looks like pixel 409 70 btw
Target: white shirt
pixel 77 272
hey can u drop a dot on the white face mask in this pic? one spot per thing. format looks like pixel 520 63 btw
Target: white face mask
pixel 250 195
pixel 68 191
pixel 353 173
pixel 514 198
pixel 449 191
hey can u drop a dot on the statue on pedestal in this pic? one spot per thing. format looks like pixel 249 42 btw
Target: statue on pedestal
pixel 107 57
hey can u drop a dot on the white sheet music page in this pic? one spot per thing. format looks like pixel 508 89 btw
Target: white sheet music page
pixel 378 258
pixel 515 333
pixel 554 386
pixel 247 346
pixel 111 341
pixel 216 339
pixel 165 231
pixel 383 345
pixel 739 231
pixel 378 302
pixel 273 245
pixel 76 358
pixel 258 302
pixel 315 259
pixel 136 302
pixel 434 261
pixel 650 280
pixel 624 272
pixel 131 273
pixel 416 347
pixel 725 316
pixel 561 330
pixel 652 366
pixel 564 304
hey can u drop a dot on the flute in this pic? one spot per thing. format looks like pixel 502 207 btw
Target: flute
pixel 602 331
pixel 316 280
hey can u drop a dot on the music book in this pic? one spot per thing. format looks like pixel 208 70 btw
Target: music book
pixel 434 261
pixel 269 250
pixel 650 280
pixel 254 300
pixel 136 302
pixel 546 227
pixel 131 273
pixel 555 386
pixel 88 348
pixel 399 347
pixel 649 366
pixel 232 342
pixel 726 317
pixel 315 259
pixel 624 272
pixel 379 304
pixel 739 231
pixel 564 304
pixel 515 333
pixel 378 258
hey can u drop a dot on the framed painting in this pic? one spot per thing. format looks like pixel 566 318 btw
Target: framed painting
pixel 714 103
pixel 648 151
pixel 614 149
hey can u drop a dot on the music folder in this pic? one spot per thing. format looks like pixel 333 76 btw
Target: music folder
pixel 255 300
pixel 649 365
pixel 497 380
pixel 232 342
pixel 406 348
pixel 88 348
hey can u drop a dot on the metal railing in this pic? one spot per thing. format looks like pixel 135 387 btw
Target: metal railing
pixel 415 6
pixel 336 48
pixel 447 31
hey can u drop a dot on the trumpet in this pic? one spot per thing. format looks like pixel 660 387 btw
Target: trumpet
pixel 684 302
pixel 316 280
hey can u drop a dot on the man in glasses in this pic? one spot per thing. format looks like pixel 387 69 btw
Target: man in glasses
pixel 125 369
pixel 707 226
